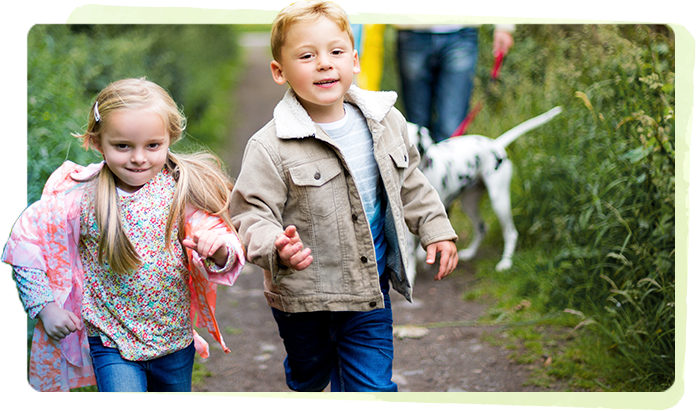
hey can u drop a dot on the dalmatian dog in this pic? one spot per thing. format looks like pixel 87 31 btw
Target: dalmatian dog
pixel 465 167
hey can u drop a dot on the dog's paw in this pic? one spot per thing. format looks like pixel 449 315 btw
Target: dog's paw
pixel 466 254
pixel 504 264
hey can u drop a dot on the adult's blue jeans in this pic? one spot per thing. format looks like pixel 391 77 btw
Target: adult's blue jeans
pixel 437 73
pixel 170 373
pixel 352 350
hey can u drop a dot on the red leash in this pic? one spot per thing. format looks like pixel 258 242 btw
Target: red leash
pixel 495 71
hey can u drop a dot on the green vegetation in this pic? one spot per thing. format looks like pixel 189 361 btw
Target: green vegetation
pixel 590 301
pixel 593 199
pixel 68 66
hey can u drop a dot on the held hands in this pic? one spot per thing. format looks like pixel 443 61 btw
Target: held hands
pixel 502 41
pixel 448 257
pixel 58 322
pixel 291 251
pixel 208 244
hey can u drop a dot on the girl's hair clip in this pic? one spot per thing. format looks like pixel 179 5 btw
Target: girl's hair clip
pixel 97 117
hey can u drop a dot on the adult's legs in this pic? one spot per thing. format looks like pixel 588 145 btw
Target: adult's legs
pixel 414 51
pixel 457 55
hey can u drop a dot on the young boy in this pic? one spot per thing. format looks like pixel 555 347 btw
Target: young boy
pixel 322 202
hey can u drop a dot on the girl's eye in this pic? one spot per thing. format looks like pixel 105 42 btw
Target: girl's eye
pixel 122 146
pixel 153 145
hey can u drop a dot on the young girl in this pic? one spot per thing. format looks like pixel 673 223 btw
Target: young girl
pixel 119 260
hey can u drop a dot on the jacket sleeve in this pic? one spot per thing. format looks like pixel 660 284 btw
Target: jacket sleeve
pixel 424 212
pixel 34 290
pixel 258 202
pixel 203 284
pixel 200 220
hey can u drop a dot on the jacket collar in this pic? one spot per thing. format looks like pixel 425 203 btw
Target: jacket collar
pixel 292 120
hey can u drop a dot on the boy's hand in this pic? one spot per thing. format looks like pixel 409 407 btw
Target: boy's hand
pixel 208 244
pixel 448 257
pixel 291 251
pixel 57 322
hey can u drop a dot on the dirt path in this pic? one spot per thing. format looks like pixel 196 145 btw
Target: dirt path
pixel 451 357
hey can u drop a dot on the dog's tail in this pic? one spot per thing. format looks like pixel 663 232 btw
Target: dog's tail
pixel 511 135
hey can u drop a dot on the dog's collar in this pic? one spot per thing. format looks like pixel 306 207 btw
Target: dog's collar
pixel 292 120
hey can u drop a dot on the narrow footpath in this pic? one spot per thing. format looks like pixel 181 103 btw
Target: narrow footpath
pixel 438 346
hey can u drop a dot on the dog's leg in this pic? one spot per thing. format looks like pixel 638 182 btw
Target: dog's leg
pixel 470 201
pixel 498 184
pixel 412 245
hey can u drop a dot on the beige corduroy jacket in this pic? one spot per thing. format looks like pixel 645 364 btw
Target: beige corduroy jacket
pixel 293 174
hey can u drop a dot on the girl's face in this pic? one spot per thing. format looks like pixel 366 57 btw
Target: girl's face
pixel 134 144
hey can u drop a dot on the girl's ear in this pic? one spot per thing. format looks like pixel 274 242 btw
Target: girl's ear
pixel 277 72
pixel 96 143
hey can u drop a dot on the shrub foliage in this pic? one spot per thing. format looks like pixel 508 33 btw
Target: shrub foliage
pixel 49 73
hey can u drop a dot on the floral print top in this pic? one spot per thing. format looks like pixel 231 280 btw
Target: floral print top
pixel 144 313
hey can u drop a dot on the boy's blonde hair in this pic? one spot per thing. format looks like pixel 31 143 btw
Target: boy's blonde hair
pixel 306 12
pixel 201 180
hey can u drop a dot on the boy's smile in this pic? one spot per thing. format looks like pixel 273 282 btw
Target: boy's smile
pixel 318 61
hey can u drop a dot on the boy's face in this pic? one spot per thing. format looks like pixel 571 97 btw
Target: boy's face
pixel 318 61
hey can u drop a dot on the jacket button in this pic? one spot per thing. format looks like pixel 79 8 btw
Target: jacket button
pixel 373 304
pixel 363 259
pixel 355 217
pixel 317 176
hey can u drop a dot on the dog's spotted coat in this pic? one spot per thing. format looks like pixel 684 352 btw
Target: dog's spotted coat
pixel 465 167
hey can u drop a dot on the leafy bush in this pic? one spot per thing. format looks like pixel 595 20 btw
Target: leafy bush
pixel 593 190
pixel 598 185
pixel 49 74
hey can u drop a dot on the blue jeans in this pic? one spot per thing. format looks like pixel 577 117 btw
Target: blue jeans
pixel 352 350
pixel 171 373
pixel 437 72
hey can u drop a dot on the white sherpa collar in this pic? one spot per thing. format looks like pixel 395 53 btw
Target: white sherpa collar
pixel 292 120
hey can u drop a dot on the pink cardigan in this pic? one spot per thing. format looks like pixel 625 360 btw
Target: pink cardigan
pixel 45 237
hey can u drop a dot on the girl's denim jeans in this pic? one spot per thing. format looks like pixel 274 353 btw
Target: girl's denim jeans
pixel 171 372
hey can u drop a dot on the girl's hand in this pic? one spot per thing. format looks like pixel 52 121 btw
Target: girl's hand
pixel 208 244
pixel 57 322
pixel 448 257
pixel 291 251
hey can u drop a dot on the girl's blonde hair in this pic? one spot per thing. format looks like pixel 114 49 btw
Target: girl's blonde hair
pixel 306 12
pixel 201 180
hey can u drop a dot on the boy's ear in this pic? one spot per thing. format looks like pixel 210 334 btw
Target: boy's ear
pixel 277 72
pixel 356 62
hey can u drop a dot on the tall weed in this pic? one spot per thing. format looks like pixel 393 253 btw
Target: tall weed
pixel 598 185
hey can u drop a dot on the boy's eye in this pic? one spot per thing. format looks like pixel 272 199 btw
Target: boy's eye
pixel 337 52
pixel 305 56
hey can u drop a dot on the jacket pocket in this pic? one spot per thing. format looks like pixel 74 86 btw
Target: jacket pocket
pixel 399 156
pixel 316 180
